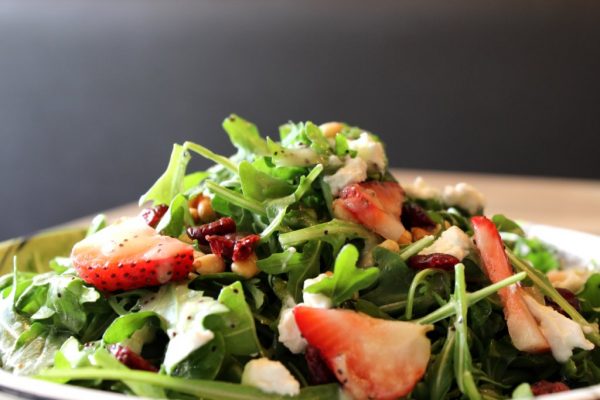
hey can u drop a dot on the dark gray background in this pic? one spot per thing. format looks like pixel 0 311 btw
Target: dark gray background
pixel 93 94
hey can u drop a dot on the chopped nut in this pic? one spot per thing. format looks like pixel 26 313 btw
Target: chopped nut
pixel 205 210
pixel 406 238
pixel 208 263
pixel 246 268
pixel 419 233
pixel 390 245
pixel 330 129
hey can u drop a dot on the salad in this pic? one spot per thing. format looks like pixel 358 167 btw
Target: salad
pixel 301 268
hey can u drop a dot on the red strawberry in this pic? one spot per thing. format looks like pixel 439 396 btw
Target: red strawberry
pixel 522 327
pixel 372 358
pixel 376 205
pixel 129 255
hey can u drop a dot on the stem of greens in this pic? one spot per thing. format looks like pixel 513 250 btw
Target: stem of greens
pixel 448 309
pixel 206 153
pixel 194 387
pixel 321 231
pixel 419 277
pixel 462 355
pixel 236 198
pixel 547 289
pixel 416 247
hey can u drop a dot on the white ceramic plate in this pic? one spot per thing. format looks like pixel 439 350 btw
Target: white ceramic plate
pixel 576 248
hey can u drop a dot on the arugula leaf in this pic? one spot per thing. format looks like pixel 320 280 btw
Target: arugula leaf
pixel 504 224
pixel 61 298
pixel 318 141
pixel 176 218
pixel 347 279
pixel 237 325
pixel 203 363
pixel 591 293
pixel 539 254
pixel 261 186
pixel 126 325
pixel 244 135
pixel 170 182
pixel 298 266
pixel 34 349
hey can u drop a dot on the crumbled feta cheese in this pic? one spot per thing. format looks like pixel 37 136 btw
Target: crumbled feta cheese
pixel 183 310
pixel 270 377
pixel 316 300
pixel 419 189
pixel 563 334
pixel 289 334
pixel 452 241
pixel 353 171
pixel 464 196
pixel 572 279
pixel 369 150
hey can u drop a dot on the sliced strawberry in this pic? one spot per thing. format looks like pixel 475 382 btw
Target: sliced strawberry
pixel 376 205
pixel 129 255
pixel 522 327
pixel 372 358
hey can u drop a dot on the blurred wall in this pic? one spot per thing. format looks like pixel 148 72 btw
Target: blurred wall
pixel 93 94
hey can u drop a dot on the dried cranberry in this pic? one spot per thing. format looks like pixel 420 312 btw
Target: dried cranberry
pixel 244 247
pixel 442 261
pixel 414 216
pixel 545 387
pixel 569 296
pixel 153 215
pixel 221 245
pixel 319 372
pixel 132 360
pixel 221 226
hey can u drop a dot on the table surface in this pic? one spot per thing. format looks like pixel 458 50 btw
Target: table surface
pixel 568 203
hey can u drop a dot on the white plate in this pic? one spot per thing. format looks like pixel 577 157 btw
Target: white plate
pixel 577 249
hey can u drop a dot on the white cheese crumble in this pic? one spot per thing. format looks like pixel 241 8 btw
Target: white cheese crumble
pixel 562 333
pixel 464 196
pixel 184 311
pixel 270 377
pixel 452 241
pixel 370 150
pixel 572 279
pixel 289 333
pixel 353 171
pixel 316 300
pixel 419 189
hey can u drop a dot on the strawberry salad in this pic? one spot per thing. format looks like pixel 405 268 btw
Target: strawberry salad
pixel 300 268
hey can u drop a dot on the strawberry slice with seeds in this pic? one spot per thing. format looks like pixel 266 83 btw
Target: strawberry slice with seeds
pixel 372 358
pixel 129 255
pixel 376 205
pixel 522 327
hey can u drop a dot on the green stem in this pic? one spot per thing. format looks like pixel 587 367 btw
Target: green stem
pixel 548 290
pixel 416 247
pixel 448 309
pixel 195 387
pixel 321 231
pixel 236 198
pixel 417 280
pixel 206 153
